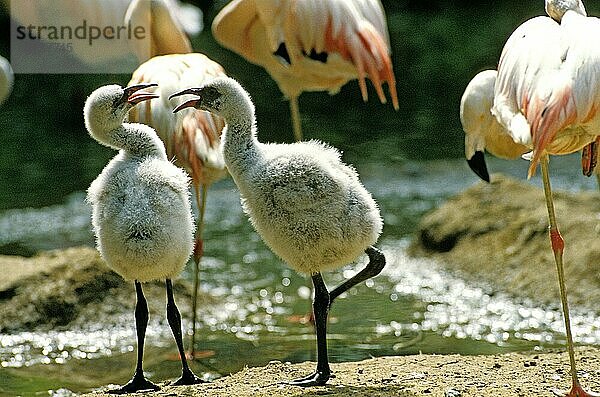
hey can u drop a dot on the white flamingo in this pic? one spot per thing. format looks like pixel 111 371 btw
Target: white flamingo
pixel 141 211
pixel 311 45
pixel 546 97
pixel 482 130
pixel 309 207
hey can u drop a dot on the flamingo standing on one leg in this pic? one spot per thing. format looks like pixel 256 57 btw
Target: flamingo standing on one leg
pixel 311 45
pixel 308 206
pixel 192 137
pixel 546 97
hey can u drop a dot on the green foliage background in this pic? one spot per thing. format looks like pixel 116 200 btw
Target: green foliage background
pixel 437 45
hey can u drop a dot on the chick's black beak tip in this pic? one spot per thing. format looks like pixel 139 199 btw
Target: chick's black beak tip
pixel 189 104
pixel 133 96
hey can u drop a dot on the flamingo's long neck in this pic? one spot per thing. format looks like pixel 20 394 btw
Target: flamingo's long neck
pixel 240 146
pixel 135 139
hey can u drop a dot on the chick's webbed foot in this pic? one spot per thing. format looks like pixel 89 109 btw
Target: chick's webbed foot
pixel 188 378
pixel 136 384
pixel 317 378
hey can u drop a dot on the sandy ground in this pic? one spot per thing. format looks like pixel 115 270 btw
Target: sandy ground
pixel 528 374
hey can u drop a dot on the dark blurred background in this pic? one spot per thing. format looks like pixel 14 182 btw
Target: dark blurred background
pixel 437 45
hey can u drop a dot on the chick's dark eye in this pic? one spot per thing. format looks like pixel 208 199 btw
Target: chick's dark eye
pixel 211 94
pixel 120 100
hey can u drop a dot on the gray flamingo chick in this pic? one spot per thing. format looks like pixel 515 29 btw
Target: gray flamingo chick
pixel 141 211
pixel 308 206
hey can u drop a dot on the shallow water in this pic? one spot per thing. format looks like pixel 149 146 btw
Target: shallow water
pixel 414 306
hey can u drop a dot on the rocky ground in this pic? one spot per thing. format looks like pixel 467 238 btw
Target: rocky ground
pixel 494 232
pixel 65 288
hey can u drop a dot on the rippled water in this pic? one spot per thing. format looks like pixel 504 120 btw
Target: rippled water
pixel 414 305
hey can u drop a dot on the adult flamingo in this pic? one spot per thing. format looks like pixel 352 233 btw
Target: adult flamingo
pixel 546 97
pixel 192 137
pixel 168 26
pixel 482 130
pixel 311 45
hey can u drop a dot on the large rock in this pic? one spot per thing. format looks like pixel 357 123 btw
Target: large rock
pixel 61 288
pixel 498 233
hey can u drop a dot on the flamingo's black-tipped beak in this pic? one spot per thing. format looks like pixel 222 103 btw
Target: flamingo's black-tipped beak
pixel 477 164
pixel 133 96
pixel 189 104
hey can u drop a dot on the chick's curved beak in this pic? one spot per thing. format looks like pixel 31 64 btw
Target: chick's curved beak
pixel 189 104
pixel 133 96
